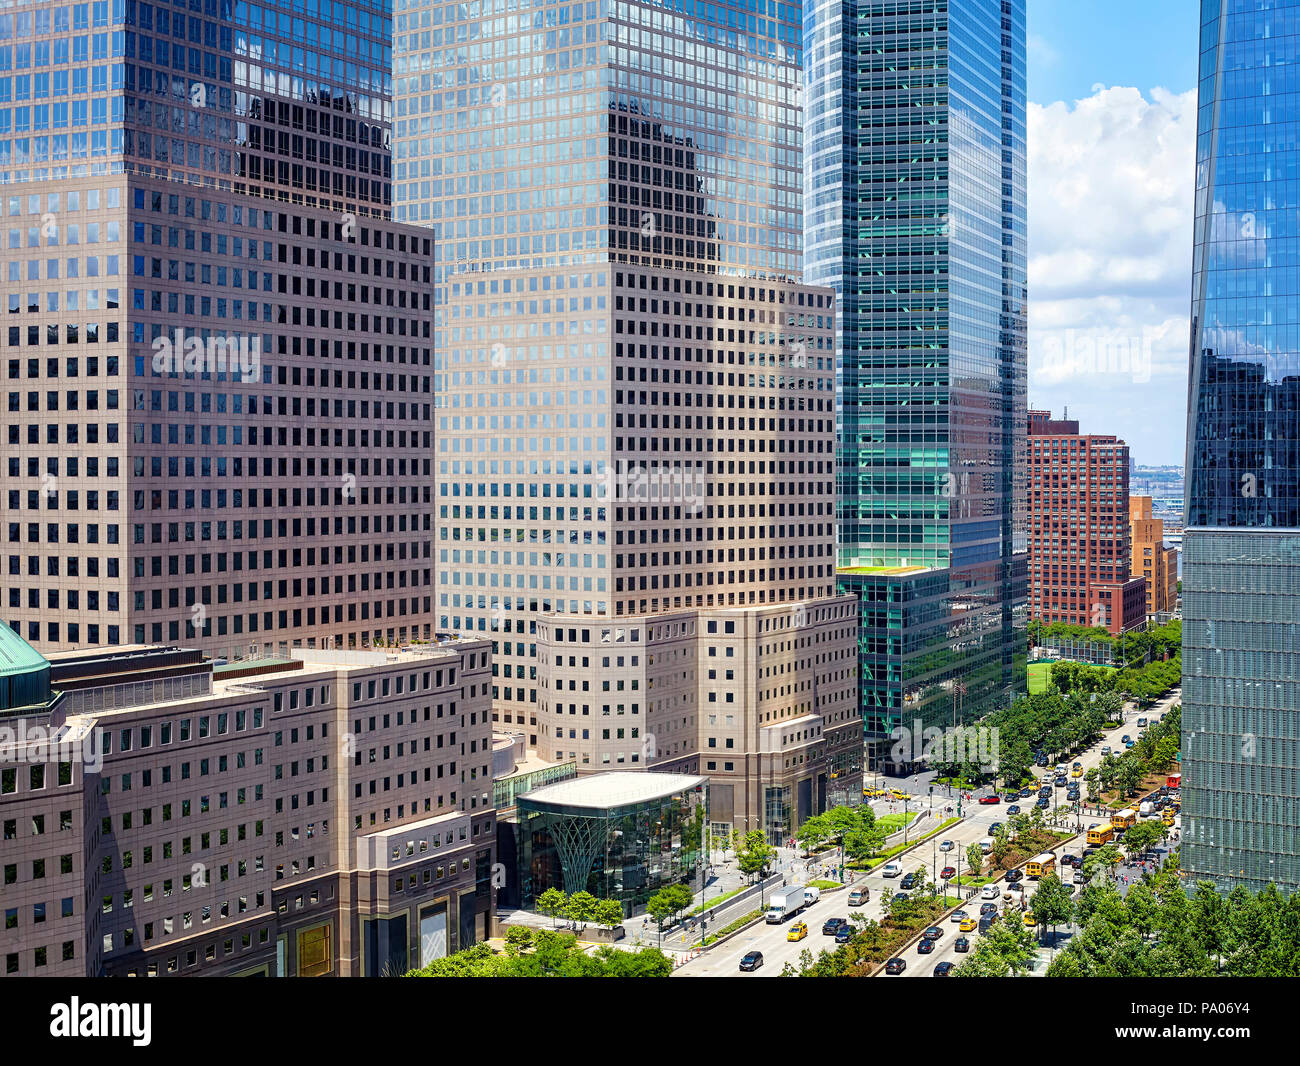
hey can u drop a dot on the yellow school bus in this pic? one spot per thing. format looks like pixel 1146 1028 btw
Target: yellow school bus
pixel 1123 819
pixel 1100 835
pixel 1040 865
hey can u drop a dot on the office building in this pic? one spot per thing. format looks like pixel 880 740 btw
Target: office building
pixel 1241 539
pixel 634 389
pixel 1080 568
pixel 218 345
pixel 326 815
pixel 1151 559
pixel 914 213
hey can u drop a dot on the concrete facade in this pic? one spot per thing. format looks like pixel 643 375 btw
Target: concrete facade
pixel 329 816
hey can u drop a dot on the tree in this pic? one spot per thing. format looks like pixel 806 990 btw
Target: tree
pixel 1001 846
pixel 1106 858
pixel 552 903
pixel 755 852
pixel 669 902
pixel 518 938
pixel 1004 951
pixel 813 832
pixel 1140 837
pixel 580 909
pixel 840 821
pixel 975 859
pixel 1053 904
pixel 607 913
pixel 1093 780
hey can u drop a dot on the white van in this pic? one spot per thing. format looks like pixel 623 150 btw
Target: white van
pixel 892 869
pixel 986 847
pixel 811 895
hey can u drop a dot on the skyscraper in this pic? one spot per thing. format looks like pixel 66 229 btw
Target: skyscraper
pixel 914 212
pixel 1241 543
pixel 218 345
pixel 634 391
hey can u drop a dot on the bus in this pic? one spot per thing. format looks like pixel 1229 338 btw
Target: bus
pixel 1040 865
pixel 1174 781
pixel 1100 835
pixel 1123 819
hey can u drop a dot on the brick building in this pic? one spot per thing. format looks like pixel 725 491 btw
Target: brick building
pixel 1151 559
pixel 1079 556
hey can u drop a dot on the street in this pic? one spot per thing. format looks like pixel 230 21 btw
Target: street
pixel 772 940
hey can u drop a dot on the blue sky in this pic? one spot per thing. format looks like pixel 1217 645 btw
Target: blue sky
pixel 1073 44
pixel 1111 135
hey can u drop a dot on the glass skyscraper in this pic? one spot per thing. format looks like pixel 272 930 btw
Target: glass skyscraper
pixel 914 197
pixel 1241 566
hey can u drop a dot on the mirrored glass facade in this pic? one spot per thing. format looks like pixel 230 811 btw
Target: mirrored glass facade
pixel 1241 566
pixel 914 196
pixel 623 851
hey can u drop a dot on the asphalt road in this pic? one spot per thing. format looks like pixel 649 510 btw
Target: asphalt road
pixel 771 940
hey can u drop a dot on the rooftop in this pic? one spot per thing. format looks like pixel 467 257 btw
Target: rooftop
pixel 618 788
pixel 17 656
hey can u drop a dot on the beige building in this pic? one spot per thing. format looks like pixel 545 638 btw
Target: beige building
pixel 762 701
pixel 1151 559
pixel 325 815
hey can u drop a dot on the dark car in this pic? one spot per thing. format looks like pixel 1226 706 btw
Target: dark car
pixel 925 947
pixel 933 933
pixel 1125 739
pixel 900 896
pixel 947 873
pixel 1042 802
pixel 1014 809
pixel 1060 782
pixel 1011 797
pixel 1015 875
pixel 988 908
pixel 990 799
pixel 752 961
pixel 961 944
pixel 1086 852
pixel 943 969
pixel 993 828
pixel 909 881
pixel 843 934
pixel 832 926
pixel 895 966
pixel 1025 793
pixel 1067 860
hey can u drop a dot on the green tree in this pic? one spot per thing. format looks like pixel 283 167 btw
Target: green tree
pixel 1140 837
pixel 814 832
pixel 1053 904
pixel 580 909
pixel 607 913
pixel 552 903
pixel 755 853
pixel 974 859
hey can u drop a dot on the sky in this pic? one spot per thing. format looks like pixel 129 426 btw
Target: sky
pixel 1111 143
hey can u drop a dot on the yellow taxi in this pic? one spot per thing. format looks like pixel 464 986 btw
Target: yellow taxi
pixel 797 931
pixel 1077 771
pixel 968 925
pixel 1029 918
pixel 896 794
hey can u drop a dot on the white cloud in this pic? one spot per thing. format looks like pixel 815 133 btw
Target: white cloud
pixel 1110 237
